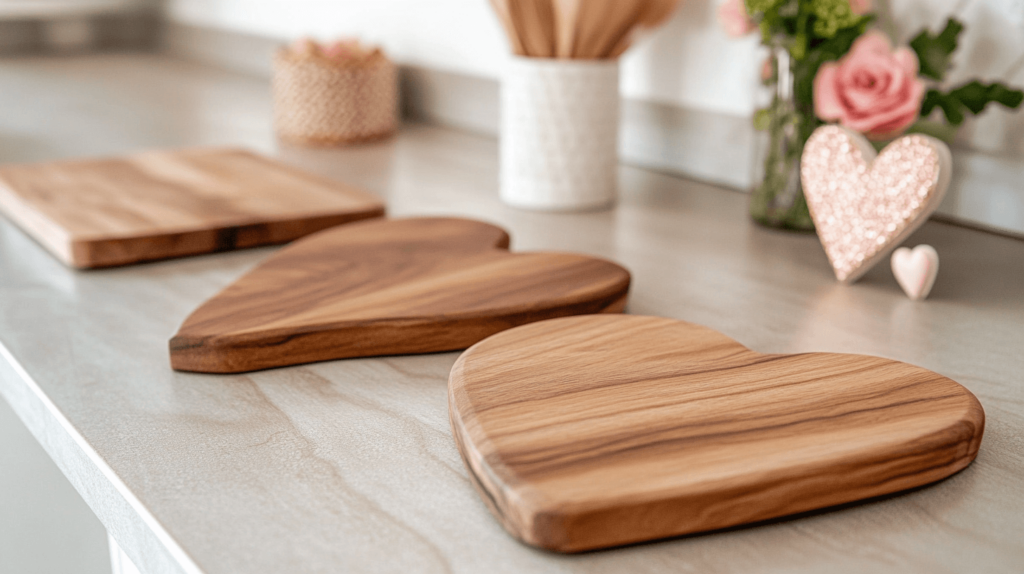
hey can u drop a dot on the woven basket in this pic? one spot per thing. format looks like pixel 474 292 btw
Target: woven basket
pixel 321 102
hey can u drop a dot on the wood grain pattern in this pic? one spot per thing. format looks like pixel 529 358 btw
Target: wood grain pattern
pixel 163 204
pixel 389 287
pixel 588 432
pixel 350 464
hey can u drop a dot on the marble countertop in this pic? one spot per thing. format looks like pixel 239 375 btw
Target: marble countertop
pixel 350 465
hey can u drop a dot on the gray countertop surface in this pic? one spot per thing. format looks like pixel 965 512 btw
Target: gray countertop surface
pixel 350 465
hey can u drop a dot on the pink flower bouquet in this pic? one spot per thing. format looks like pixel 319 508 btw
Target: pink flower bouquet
pixel 828 67
pixel 873 89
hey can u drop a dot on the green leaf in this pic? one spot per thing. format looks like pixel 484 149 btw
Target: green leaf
pixel 789 8
pixel 832 16
pixel 805 70
pixel 931 99
pixel 798 49
pixel 755 6
pixel 934 52
pixel 950 106
pixel 973 97
pixel 762 119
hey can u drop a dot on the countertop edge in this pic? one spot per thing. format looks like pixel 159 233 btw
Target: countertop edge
pixel 126 519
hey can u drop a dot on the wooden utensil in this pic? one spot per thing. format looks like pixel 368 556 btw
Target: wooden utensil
pixel 566 13
pixel 625 22
pixel 596 431
pixel 534 22
pixel 389 287
pixel 597 22
pixel 654 13
pixel 162 204
pixel 590 29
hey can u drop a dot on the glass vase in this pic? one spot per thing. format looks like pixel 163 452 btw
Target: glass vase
pixel 777 199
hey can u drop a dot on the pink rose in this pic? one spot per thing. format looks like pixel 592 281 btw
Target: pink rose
pixel 733 17
pixel 861 7
pixel 872 89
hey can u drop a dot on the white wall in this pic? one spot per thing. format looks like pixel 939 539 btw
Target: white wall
pixel 688 62
pixel 682 63
pixel 991 48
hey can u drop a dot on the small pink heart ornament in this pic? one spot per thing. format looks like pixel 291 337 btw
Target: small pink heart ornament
pixel 864 204
pixel 915 270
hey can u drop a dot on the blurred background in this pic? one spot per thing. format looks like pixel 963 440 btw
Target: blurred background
pixel 689 93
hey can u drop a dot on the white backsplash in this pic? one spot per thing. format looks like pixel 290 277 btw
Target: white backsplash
pixel 689 62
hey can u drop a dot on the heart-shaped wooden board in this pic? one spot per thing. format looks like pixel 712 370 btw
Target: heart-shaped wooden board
pixel 597 431
pixel 386 287
pixel 864 205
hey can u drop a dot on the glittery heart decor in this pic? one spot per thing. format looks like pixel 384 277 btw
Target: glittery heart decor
pixel 916 269
pixel 865 205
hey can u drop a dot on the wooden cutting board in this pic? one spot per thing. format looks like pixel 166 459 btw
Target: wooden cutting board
pixel 588 432
pixel 162 204
pixel 387 287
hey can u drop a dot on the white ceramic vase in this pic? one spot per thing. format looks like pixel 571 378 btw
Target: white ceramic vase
pixel 559 133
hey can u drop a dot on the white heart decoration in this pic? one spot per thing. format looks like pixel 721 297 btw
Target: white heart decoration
pixel 864 204
pixel 916 269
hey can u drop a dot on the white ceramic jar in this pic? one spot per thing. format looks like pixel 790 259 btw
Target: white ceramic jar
pixel 559 133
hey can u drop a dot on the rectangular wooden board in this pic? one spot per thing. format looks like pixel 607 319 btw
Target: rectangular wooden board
pixel 164 204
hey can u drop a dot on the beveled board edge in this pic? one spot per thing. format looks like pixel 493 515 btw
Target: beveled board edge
pixel 407 336
pixel 116 252
pixel 36 225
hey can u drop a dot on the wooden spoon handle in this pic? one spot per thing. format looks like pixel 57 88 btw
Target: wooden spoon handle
pixel 535 21
pixel 566 27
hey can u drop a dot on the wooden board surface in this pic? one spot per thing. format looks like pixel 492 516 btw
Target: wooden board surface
pixel 388 287
pixel 162 204
pixel 588 432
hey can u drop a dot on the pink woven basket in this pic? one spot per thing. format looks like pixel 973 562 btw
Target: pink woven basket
pixel 322 102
